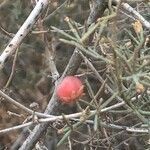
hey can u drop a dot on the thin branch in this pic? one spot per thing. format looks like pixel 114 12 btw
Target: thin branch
pixel 138 16
pixel 5 3
pixel 13 69
pixel 128 8
pixel 53 106
pixel 55 11
pixel 10 35
pixel 23 31
pixel 54 118
pixel 72 116
pixel 50 61
pixel 14 102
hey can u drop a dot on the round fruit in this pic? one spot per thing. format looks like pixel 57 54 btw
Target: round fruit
pixel 69 89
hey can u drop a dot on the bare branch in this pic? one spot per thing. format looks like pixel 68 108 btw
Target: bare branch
pixel 14 102
pixel 137 15
pixel 24 30
pixel 76 115
pixel 53 106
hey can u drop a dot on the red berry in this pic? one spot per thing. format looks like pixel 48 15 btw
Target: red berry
pixel 70 89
